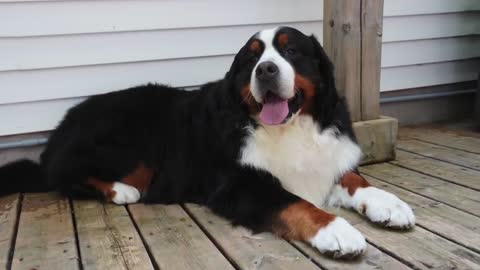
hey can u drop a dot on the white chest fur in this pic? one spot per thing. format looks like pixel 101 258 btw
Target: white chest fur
pixel 304 158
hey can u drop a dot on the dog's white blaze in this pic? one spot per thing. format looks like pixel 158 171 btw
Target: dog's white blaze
pixel 286 82
pixel 304 158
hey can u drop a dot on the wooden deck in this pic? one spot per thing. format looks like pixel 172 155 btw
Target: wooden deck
pixel 437 172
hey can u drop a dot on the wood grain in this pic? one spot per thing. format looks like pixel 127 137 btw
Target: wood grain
pixel 262 251
pixel 439 169
pixel 342 43
pixel 454 195
pixel 451 138
pixel 372 24
pixel 107 237
pixel 417 247
pixel 451 223
pixel 377 139
pixel 373 259
pixel 458 157
pixel 9 207
pixel 174 240
pixel 46 237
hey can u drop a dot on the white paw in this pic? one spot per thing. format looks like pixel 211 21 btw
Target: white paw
pixel 125 194
pixel 384 208
pixel 339 239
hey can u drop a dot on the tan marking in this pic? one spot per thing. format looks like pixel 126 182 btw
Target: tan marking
pixel 352 181
pixel 105 187
pixel 301 221
pixel 256 47
pixel 248 99
pixel 140 178
pixel 308 89
pixel 282 40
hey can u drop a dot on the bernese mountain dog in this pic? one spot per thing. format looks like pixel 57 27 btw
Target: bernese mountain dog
pixel 265 147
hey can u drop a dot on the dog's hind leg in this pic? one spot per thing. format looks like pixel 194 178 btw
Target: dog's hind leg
pixel 116 192
pixel 129 189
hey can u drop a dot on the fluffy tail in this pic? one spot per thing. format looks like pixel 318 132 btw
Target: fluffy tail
pixel 22 176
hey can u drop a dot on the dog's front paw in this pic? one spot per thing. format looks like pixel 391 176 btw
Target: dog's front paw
pixel 384 208
pixel 339 239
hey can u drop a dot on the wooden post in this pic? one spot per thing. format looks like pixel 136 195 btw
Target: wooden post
pixel 372 22
pixel 352 32
pixel 342 42
pixel 352 38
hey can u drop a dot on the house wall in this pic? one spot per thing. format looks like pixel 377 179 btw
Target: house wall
pixel 53 54
pixel 429 42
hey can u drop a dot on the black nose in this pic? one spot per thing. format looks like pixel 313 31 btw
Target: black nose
pixel 266 71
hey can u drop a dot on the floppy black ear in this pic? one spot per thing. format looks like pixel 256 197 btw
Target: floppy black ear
pixel 228 84
pixel 234 67
pixel 324 64
pixel 327 97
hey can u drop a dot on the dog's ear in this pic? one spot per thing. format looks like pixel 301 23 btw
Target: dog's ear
pixel 234 67
pixel 328 97
pixel 324 64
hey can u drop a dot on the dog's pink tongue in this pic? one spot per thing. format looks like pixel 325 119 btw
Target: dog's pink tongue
pixel 274 110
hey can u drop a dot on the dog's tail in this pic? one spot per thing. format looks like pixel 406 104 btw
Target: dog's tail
pixel 22 176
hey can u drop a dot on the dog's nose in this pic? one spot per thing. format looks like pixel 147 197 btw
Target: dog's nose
pixel 266 71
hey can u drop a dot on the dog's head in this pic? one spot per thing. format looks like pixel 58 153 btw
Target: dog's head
pixel 281 73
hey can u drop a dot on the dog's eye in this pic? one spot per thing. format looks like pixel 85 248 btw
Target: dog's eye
pixel 291 51
pixel 253 59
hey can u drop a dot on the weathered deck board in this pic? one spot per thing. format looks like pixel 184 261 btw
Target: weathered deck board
pixel 174 240
pixel 458 157
pixel 418 247
pixel 107 237
pixel 451 194
pixel 439 169
pixel 373 259
pixel 248 251
pixel 451 223
pixel 9 206
pixel 46 237
pixel 437 173
pixel 466 141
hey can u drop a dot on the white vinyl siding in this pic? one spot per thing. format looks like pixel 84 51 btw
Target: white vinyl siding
pixel 429 42
pixel 55 53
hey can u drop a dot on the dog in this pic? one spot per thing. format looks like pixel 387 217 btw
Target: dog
pixel 265 147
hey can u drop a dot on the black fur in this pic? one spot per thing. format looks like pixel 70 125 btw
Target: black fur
pixel 192 141
pixel 22 175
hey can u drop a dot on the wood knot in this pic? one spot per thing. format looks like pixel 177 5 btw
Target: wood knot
pixel 346 27
pixel 331 23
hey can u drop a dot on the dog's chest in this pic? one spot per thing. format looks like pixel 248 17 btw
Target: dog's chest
pixel 305 159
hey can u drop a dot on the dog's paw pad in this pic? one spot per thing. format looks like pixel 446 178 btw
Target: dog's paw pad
pixel 125 194
pixel 339 239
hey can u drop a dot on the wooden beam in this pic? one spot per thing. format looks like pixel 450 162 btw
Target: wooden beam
pixel 372 22
pixel 352 32
pixel 342 43
pixel 352 38
pixel 377 139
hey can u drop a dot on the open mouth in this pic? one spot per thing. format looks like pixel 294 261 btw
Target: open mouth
pixel 276 110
